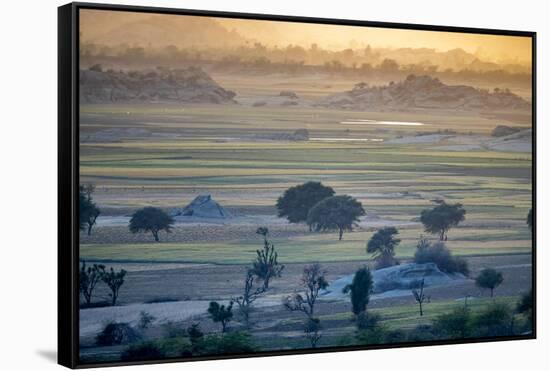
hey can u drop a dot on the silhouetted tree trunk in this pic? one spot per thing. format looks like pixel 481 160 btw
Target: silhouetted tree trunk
pixel 156 235
pixel 340 233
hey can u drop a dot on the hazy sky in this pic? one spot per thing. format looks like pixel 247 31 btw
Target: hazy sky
pixel 489 47
pixel 336 36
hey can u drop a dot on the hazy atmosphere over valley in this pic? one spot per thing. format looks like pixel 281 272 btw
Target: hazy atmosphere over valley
pixel 252 186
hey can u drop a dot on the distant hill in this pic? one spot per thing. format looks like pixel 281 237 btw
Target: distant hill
pixel 424 92
pixel 161 85
pixel 160 31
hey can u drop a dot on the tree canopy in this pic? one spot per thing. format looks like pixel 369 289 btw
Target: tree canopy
pixel 296 201
pixel 382 244
pixel 88 210
pixel 360 289
pixel 335 212
pixel 151 219
pixel 489 279
pixel 442 218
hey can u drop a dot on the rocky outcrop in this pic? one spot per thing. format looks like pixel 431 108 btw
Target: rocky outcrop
pixel 203 206
pixel 398 277
pixel 189 85
pixel 424 92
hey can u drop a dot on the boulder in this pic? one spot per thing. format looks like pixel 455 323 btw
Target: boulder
pixel 423 92
pixel 398 277
pixel 203 206
pixel 187 85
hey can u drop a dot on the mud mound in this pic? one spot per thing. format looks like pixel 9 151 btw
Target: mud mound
pixel 399 277
pixel 424 92
pixel 203 206
pixel 191 85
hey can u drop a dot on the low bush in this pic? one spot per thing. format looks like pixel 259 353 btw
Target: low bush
pixel 145 320
pixel 142 352
pixel 175 347
pixel 115 333
pixel 421 333
pixel 228 343
pixel 366 320
pixel 173 330
pixel 440 255
pixel 454 325
pixel 495 320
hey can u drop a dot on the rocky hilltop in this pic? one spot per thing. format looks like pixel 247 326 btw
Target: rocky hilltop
pixel 191 85
pixel 424 92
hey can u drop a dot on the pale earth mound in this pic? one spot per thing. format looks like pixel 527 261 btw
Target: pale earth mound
pixel 202 206
pixel 398 278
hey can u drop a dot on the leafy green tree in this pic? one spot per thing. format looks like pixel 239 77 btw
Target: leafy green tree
pixel 530 219
pixel 336 212
pixel 114 280
pixel 489 279
pixel 266 265
pixel 382 244
pixel 220 313
pixel 151 219
pixel 360 289
pixel 88 279
pixel 296 201
pixel 442 218
pixel 88 210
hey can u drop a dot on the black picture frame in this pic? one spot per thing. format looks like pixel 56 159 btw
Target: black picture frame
pixel 68 175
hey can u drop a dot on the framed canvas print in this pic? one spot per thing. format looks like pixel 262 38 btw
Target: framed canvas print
pixel 238 185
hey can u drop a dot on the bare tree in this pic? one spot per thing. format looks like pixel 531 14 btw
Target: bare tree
pixel 420 297
pixel 250 294
pixel 266 266
pixel 114 280
pixel 88 279
pixel 313 281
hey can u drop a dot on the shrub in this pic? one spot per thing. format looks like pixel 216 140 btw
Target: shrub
pixel 365 320
pixel 375 335
pixel 116 333
pixel 230 343
pixel 525 305
pixel 172 330
pixel 495 320
pixel 142 352
pixel 440 255
pixel 175 347
pixel 456 324
pixel 145 320
pixel 421 333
